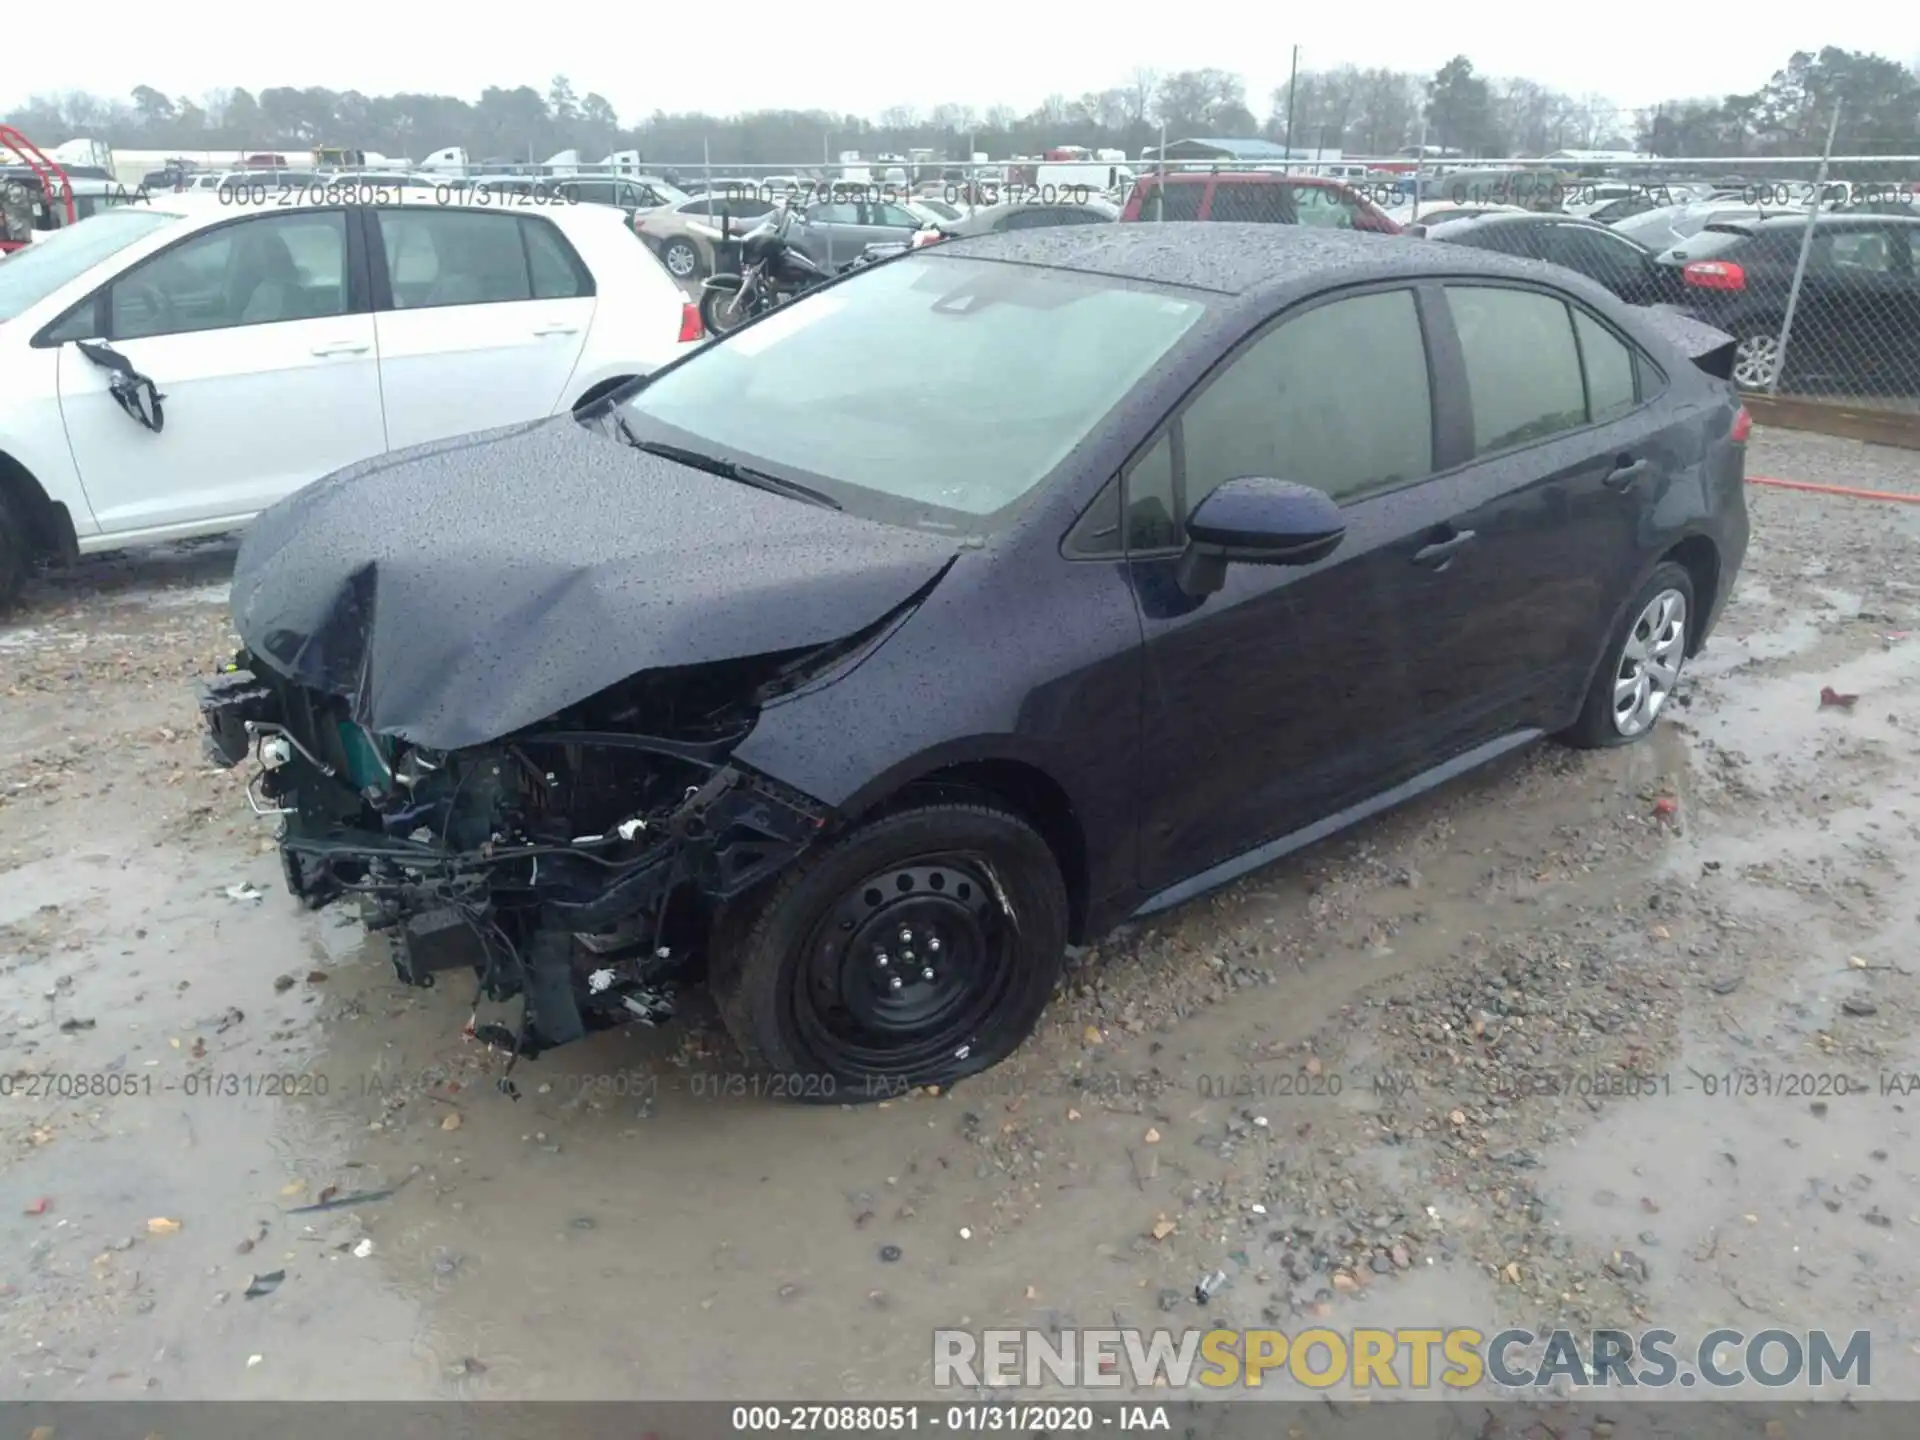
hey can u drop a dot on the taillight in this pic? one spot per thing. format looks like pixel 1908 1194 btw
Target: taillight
pixel 1742 426
pixel 690 326
pixel 1715 275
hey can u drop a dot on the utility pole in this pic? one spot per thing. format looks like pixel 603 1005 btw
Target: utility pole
pixel 1293 83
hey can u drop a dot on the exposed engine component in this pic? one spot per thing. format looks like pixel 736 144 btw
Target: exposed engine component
pixel 572 865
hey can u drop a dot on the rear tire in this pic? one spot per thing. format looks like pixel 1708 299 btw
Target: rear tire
pixel 1641 668
pixel 1757 359
pixel 888 960
pixel 16 551
pixel 682 259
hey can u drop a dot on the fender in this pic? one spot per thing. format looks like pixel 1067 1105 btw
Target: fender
pixel 33 438
pixel 1695 643
pixel 969 750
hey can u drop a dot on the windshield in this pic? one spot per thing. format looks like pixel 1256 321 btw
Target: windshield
pixel 927 391
pixel 66 254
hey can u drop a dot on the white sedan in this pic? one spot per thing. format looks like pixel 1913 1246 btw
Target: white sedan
pixel 285 343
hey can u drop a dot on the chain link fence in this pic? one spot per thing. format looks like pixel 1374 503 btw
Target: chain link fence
pixel 1808 261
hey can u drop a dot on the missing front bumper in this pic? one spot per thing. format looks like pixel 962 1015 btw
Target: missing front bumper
pixel 476 860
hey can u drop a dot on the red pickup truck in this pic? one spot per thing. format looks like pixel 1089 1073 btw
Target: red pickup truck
pixel 1259 196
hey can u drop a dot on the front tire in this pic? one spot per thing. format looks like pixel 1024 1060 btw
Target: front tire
pixel 917 949
pixel 1641 668
pixel 722 311
pixel 16 552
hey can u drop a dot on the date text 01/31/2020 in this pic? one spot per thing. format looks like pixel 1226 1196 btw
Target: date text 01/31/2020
pixel 983 193
pixel 260 195
pixel 960 1419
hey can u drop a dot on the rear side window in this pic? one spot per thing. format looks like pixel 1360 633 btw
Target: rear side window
pixel 1337 398
pixel 1179 200
pixel 1868 250
pixel 1523 367
pixel 1253 203
pixel 558 273
pixel 1782 245
pixel 1609 368
pixel 1711 243
pixel 453 257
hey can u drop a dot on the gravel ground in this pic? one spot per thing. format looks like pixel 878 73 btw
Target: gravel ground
pixel 1483 1061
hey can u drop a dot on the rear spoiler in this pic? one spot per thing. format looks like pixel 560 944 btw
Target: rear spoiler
pixel 1710 349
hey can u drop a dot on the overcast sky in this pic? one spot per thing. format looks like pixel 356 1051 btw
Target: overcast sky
pixel 754 54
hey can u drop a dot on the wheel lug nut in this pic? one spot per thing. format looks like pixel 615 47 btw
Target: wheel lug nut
pixel 895 983
pixel 880 961
pixel 906 936
pixel 927 974
pixel 933 944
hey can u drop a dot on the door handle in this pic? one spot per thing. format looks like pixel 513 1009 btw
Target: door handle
pixel 341 347
pixel 557 330
pixel 1623 474
pixel 1440 553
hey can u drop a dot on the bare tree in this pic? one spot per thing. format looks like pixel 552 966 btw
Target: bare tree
pixel 1142 89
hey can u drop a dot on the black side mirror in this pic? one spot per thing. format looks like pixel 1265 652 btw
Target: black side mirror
pixel 1257 520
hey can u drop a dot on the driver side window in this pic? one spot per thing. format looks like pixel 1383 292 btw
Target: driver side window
pixel 255 272
pixel 1336 398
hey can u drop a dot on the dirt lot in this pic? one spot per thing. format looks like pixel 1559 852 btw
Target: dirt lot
pixel 1457 988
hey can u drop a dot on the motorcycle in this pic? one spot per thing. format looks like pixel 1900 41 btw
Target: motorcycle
pixel 772 270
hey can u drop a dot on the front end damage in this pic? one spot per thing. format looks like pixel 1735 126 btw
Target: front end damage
pixel 574 865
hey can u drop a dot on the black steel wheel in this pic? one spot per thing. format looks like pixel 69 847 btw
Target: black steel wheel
pixel 916 950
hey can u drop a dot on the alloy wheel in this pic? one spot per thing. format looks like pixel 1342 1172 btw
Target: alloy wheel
pixel 1756 362
pixel 680 260
pixel 1650 663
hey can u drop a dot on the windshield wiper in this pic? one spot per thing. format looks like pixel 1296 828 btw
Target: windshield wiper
pixel 746 475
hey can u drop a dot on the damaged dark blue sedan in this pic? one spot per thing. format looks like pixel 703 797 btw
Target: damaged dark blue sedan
pixel 964 608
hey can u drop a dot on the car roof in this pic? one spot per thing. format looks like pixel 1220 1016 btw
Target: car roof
pixel 204 207
pixel 1094 203
pixel 1258 177
pixel 1232 258
pixel 1516 219
pixel 1829 219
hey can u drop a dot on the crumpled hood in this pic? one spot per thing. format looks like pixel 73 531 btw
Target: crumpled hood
pixel 460 591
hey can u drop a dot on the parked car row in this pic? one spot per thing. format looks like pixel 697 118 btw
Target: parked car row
pixel 1856 320
pixel 1858 302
